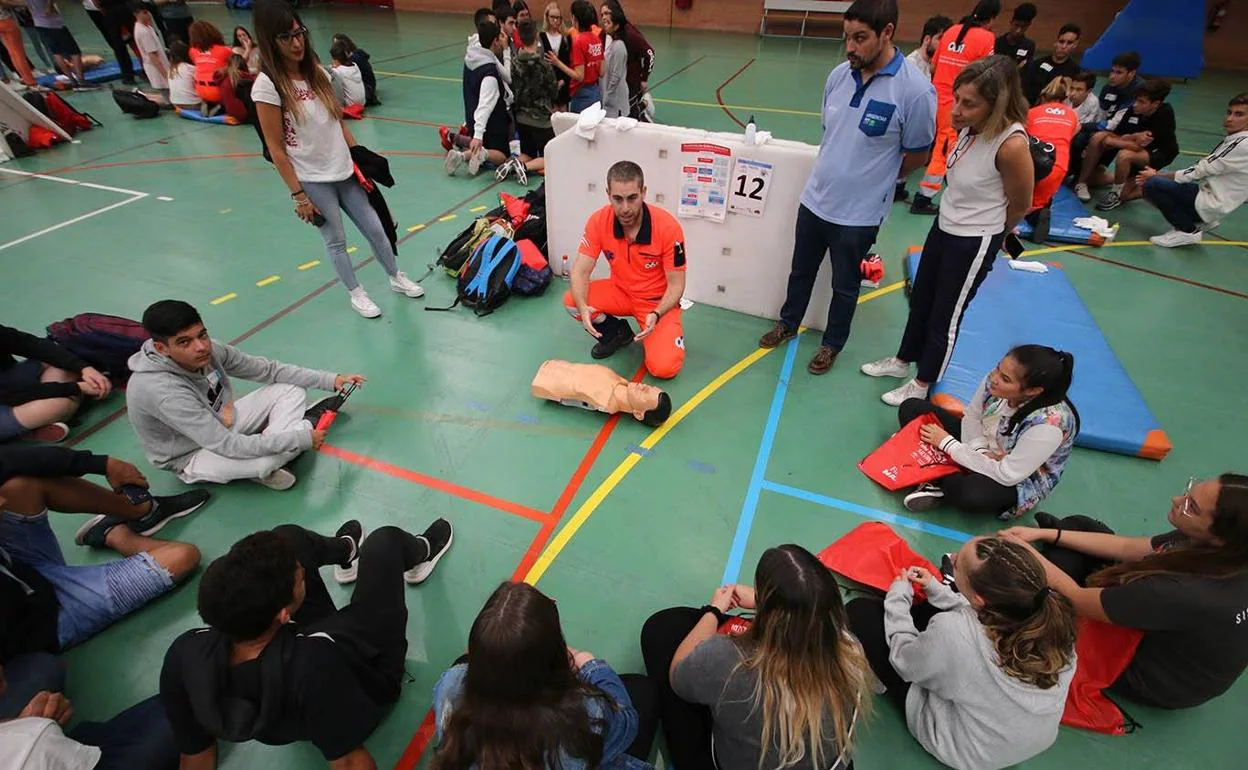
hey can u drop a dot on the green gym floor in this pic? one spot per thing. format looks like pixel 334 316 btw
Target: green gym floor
pixel 625 520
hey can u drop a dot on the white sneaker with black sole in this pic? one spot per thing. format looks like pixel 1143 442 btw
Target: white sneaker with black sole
pixel 353 533
pixel 925 497
pixel 439 537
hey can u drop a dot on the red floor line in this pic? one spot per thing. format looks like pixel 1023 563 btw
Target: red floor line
pixel 455 490
pixel 719 92
pixel 424 734
pixel 1168 276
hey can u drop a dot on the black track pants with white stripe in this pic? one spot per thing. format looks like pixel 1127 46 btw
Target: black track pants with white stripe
pixel 949 275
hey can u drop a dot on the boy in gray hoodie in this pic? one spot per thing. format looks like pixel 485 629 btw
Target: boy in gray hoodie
pixel 181 403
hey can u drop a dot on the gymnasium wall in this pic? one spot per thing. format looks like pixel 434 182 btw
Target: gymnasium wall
pixel 1223 50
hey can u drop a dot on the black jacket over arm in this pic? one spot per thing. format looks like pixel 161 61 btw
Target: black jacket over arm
pixel 15 342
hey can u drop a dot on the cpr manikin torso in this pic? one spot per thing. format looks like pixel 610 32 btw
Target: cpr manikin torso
pixel 597 388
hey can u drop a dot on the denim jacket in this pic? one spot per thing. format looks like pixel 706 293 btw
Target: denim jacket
pixel 621 723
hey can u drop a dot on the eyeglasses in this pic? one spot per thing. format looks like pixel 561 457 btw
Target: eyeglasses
pixel 287 37
pixel 1188 507
pixel 554 16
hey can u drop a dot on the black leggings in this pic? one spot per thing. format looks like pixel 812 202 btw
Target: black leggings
pixel 866 621
pixel 686 726
pixel 966 491
pixel 376 618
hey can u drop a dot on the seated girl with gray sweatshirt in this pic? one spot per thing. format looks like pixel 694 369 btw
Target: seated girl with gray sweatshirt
pixel 982 669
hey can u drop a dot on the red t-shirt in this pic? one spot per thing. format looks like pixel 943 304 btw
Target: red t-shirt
pixel 586 50
pixel 951 58
pixel 208 62
pixel 1057 124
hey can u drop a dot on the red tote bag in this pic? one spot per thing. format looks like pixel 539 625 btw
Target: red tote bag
pixel 1103 651
pixel 874 555
pixel 905 460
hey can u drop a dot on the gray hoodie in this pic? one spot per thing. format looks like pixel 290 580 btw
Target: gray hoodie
pixel 962 707
pixel 173 416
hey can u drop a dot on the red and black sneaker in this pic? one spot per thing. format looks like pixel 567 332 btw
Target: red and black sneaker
pixel 445 133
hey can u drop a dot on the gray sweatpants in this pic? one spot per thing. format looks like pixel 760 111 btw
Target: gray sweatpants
pixel 271 409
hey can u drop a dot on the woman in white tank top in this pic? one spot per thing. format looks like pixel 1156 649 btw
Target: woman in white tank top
pixel 990 181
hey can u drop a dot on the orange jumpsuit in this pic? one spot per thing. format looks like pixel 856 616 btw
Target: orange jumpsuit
pixel 638 280
pixel 1057 124
pixel 950 59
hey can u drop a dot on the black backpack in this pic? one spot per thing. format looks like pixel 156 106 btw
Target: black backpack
pixel 485 280
pixel 136 104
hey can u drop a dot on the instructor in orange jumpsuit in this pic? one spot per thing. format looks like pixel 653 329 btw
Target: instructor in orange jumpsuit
pixel 963 43
pixel 645 247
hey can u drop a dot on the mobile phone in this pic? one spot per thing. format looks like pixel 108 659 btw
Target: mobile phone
pixel 1013 246
pixel 318 219
pixel 946 571
pixel 136 494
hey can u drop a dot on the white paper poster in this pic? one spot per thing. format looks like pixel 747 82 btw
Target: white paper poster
pixel 751 181
pixel 705 171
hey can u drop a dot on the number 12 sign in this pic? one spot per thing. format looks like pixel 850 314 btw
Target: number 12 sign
pixel 751 181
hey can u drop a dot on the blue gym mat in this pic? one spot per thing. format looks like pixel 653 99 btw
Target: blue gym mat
pixel 1066 209
pixel 102 74
pixel 1169 35
pixel 1014 307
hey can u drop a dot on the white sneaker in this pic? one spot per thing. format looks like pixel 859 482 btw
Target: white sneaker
pixel 886 367
pixel 1205 227
pixel 363 304
pixel 439 537
pixel 908 391
pixel 1083 193
pixel 279 480
pixel 474 163
pixel 346 575
pixel 504 171
pixel 1176 238
pixel 404 285
pixel 522 173
pixel 454 159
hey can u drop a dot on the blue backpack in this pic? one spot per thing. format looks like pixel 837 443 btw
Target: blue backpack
pixel 486 279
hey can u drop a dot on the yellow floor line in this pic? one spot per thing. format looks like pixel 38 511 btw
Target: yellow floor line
pixel 447 218
pixel 414 228
pixel 742 108
pixel 1116 244
pixel 604 489
pixel 266 281
pixel 310 265
pixel 224 298
pixel 352 249
pixel 475 209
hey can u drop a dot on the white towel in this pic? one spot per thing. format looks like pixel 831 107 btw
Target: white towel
pixel 587 122
pixel 625 124
pixel 1028 265
pixel 1097 225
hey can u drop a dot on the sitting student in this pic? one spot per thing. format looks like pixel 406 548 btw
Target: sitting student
pixel 533 80
pixel 359 57
pixel 245 46
pixel 615 98
pixel 347 75
pixel 182 77
pixel 522 697
pixel 1117 95
pixel 47 605
pixel 38 393
pixel 138 738
pixel 1013 441
pixel 181 404
pixel 645 246
pixel 1015 42
pixel 785 693
pixel 151 48
pixel 1197 198
pixel 1186 590
pixel 981 673
pixel 1052 121
pixel 487 104
pixel 1059 64
pixel 1080 96
pixel 1139 137
pixel 278 662
pixel 210 55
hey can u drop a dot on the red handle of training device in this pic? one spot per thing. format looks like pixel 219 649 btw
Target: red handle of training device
pixel 326 420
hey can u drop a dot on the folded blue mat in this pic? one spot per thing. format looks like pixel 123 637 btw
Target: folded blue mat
pixel 1066 209
pixel 1014 307
pixel 101 74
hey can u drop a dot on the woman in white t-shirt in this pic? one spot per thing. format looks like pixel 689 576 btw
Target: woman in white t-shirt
pixel 182 91
pixel 990 180
pixel 311 148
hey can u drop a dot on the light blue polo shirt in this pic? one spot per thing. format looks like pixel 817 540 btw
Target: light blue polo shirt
pixel 866 129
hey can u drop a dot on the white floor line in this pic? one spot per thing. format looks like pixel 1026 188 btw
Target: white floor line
pixel 68 222
pixel 63 180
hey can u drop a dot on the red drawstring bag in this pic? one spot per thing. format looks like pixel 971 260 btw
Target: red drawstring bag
pixel 41 138
pixel 874 555
pixel 517 208
pixel 906 460
pixel 353 111
pixel 1104 651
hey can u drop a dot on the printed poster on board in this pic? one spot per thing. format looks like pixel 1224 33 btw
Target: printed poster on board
pixel 705 171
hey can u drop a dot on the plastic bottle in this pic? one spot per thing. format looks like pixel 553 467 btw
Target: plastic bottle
pixel 750 130
pixel 565 267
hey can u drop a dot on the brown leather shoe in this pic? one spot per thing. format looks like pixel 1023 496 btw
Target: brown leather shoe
pixel 778 335
pixel 822 361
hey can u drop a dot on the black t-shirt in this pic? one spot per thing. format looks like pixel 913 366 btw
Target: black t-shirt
pixel 1041 72
pixel 1165 138
pixel 320 698
pixel 1115 98
pixel 1021 51
pixel 1195 641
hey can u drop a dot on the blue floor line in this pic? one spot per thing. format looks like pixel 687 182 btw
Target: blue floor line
pixel 733 569
pixel 865 512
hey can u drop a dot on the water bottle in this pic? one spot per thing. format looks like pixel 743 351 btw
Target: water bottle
pixel 750 131
pixel 565 267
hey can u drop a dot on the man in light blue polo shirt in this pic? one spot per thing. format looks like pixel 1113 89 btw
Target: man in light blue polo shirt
pixel 879 118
